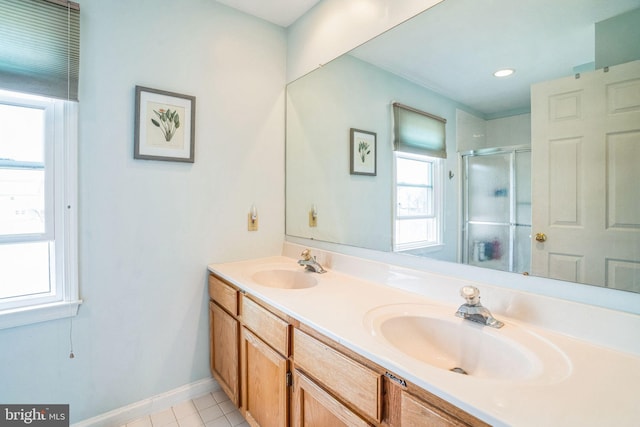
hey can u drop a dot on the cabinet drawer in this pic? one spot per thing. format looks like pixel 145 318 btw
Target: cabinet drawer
pixel 272 329
pixel 225 295
pixel 354 383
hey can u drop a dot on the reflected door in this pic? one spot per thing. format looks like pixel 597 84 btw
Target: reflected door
pixel 586 163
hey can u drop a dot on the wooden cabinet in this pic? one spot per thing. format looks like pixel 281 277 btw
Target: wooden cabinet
pixel 281 373
pixel 265 399
pixel 417 413
pixel 225 295
pixel 271 328
pixel 250 348
pixel 355 384
pixel 315 407
pixel 224 351
pixel 410 406
pixel 264 366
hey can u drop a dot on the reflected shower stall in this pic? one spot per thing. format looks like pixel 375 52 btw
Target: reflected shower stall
pixel 496 200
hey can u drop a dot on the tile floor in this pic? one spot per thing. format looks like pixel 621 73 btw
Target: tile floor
pixel 211 410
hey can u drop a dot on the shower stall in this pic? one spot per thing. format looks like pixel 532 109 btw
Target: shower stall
pixel 496 199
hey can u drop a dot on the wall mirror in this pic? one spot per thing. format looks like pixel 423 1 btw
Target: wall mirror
pixel 541 167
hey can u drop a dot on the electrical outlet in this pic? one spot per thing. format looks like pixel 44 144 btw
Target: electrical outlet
pixel 252 223
pixel 313 222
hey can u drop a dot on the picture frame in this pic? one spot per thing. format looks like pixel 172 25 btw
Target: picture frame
pixel 363 153
pixel 164 126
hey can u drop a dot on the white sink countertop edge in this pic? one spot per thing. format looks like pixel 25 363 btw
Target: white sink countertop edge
pixel 600 389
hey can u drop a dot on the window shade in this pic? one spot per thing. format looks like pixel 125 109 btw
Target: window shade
pixel 40 47
pixel 418 132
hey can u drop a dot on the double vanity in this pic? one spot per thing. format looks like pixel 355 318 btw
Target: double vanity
pixel 339 340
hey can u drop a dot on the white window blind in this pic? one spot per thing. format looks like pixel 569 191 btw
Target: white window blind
pixel 40 47
pixel 418 132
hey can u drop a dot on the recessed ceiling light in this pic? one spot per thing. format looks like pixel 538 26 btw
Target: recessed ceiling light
pixel 504 72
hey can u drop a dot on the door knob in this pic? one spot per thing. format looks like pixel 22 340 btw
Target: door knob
pixel 541 237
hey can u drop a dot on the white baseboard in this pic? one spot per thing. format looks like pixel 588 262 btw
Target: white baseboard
pixel 160 402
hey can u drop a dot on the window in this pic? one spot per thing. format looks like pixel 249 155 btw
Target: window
pixel 420 150
pixel 37 204
pixel 418 197
pixel 39 70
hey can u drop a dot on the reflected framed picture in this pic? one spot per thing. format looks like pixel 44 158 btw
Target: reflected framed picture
pixel 164 126
pixel 363 152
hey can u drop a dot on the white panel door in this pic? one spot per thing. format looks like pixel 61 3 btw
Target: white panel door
pixel 586 178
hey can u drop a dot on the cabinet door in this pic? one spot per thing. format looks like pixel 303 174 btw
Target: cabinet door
pixel 265 398
pixel 349 380
pixel 417 413
pixel 314 407
pixel 224 352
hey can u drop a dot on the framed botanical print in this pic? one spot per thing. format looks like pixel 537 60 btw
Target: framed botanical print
pixel 164 125
pixel 363 152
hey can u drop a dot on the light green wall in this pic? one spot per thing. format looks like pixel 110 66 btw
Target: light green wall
pixel 353 209
pixel 618 39
pixel 148 229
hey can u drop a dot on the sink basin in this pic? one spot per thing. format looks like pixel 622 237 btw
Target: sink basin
pixel 432 335
pixel 285 279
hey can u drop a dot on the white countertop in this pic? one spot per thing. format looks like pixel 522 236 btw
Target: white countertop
pixel 600 387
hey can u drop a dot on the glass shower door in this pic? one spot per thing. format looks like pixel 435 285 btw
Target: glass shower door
pixel 488 213
pixel 497 210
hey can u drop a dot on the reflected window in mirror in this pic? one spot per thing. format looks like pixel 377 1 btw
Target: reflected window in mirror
pixel 419 153
pixel 418 199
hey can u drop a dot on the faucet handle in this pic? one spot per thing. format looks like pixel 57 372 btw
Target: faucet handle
pixel 306 255
pixel 471 294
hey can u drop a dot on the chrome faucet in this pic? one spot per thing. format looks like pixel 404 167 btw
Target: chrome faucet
pixel 473 310
pixel 309 262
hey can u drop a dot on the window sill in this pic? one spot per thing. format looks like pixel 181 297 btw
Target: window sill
pixel 38 313
pixel 420 247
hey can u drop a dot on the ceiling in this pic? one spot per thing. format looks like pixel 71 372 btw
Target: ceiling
pixel 455 47
pixel 279 12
